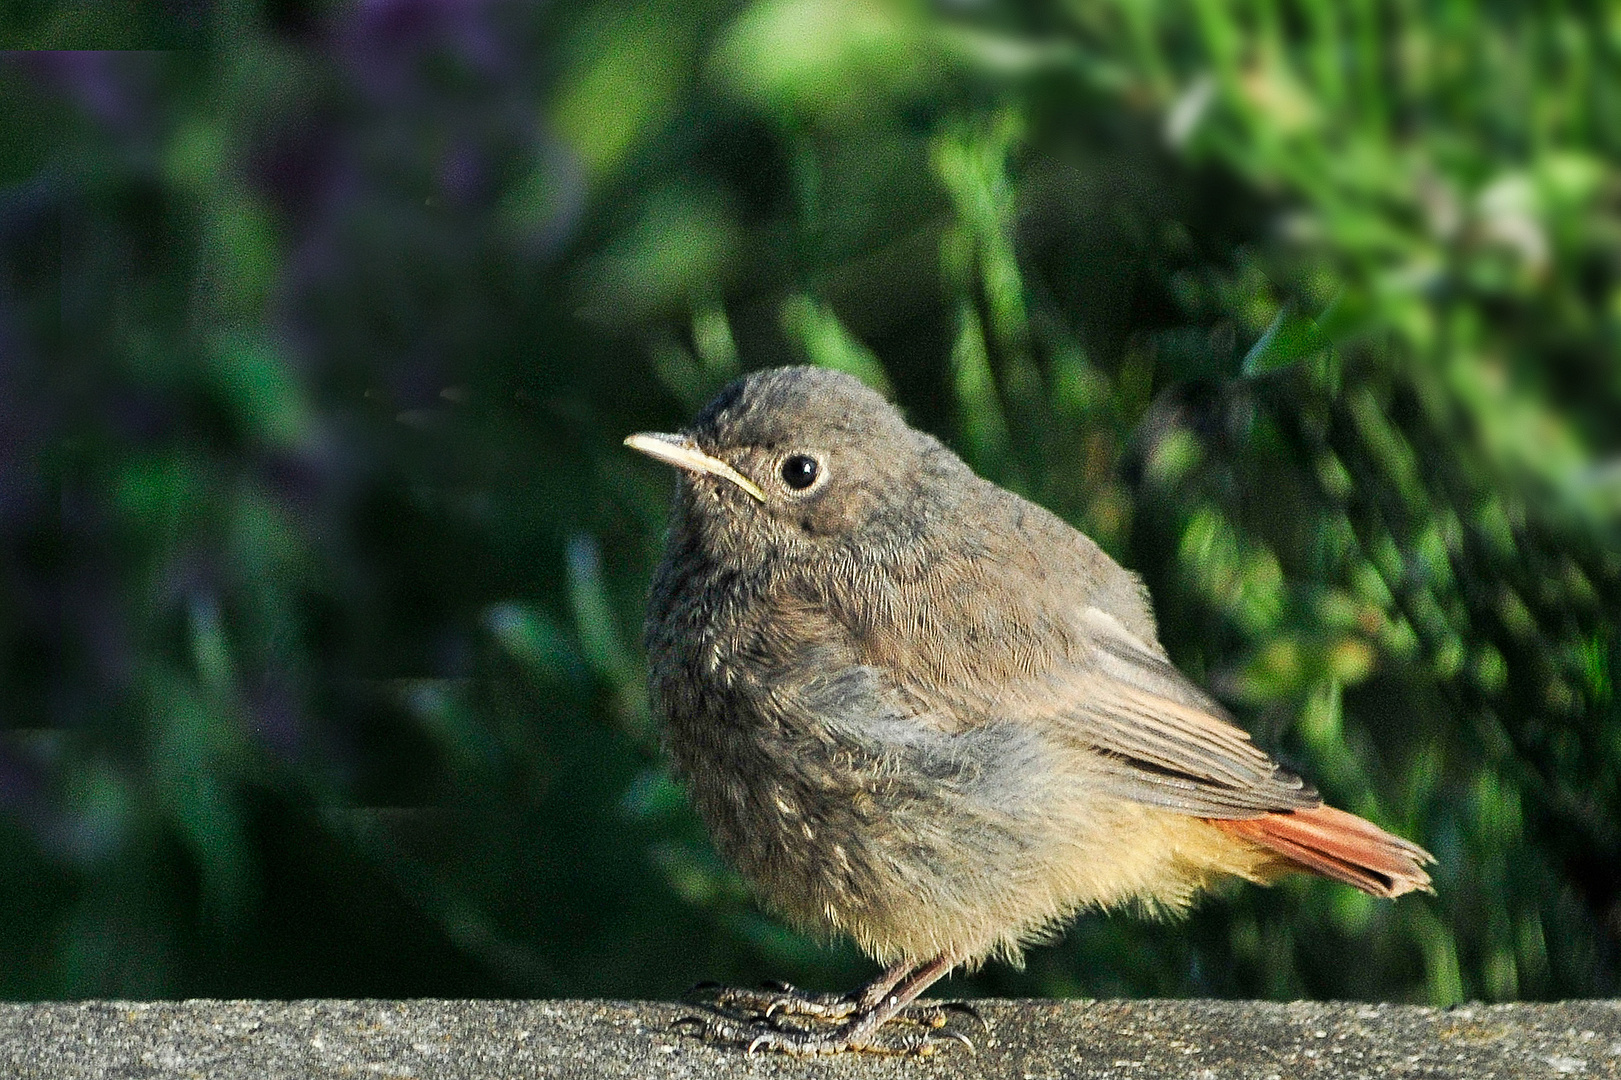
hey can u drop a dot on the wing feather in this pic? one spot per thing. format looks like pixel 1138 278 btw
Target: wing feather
pixel 1161 740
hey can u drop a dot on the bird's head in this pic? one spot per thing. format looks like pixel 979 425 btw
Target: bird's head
pixel 804 464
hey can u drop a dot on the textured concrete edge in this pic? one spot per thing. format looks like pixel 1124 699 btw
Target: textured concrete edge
pixel 1141 1040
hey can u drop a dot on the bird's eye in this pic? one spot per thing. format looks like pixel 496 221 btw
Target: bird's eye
pixel 799 471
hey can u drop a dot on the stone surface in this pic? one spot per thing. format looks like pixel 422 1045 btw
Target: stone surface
pixel 1027 1040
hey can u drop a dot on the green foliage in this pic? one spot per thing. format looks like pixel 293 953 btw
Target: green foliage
pixel 324 566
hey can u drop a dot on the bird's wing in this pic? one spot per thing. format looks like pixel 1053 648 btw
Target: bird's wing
pixel 1148 733
pixel 1159 739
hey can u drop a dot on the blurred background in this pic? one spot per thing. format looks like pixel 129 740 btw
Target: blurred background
pixel 323 566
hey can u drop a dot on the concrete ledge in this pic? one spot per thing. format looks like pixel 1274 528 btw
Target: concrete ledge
pixel 1130 1040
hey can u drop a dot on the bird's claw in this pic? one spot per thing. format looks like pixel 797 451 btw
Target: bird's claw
pixel 775 1029
pixel 967 1009
pixel 776 999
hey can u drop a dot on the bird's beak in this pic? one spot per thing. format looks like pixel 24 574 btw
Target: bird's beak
pixel 679 451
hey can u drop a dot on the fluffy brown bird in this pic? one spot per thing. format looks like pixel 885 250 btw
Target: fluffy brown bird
pixel 919 710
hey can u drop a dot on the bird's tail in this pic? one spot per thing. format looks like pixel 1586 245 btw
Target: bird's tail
pixel 1338 845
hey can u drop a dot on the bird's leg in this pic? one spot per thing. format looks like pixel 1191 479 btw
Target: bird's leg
pixel 874 1005
pixel 873 994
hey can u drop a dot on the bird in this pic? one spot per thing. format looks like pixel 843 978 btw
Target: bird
pixel 915 709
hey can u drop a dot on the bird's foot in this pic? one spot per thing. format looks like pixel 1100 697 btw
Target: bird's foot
pixel 937 1014
pixel 784 999
pixel 773 999
pixel 776 1033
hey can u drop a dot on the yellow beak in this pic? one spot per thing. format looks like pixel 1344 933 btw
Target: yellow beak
pixel 678 450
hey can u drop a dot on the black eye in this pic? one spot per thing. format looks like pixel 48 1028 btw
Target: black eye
pixel 799 471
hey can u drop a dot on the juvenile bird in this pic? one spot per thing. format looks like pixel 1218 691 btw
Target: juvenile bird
pixel 918 710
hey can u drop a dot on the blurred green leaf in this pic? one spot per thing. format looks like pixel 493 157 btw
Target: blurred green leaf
pixel 624 87
pixel 828 344
pixel 827 58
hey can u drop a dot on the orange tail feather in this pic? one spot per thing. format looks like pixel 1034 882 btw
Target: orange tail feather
pixel 1338 845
